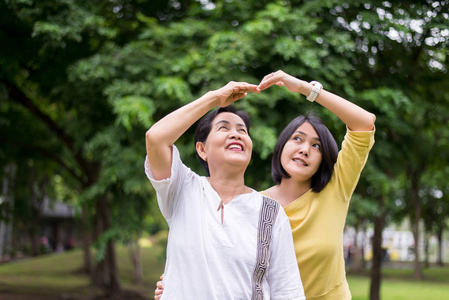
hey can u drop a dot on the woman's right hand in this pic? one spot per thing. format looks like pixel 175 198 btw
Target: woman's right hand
pixel 233 91
pixel 159 288
pixel 355 117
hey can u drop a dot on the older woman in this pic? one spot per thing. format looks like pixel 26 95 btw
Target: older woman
pixel 243 249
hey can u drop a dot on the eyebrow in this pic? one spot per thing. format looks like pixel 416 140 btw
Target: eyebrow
pixel 303 133
pixel 228 123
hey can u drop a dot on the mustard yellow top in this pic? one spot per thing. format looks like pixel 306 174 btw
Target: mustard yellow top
pixel 318 220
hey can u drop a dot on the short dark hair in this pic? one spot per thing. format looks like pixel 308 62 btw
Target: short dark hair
pixel 205 125
pixel 329 152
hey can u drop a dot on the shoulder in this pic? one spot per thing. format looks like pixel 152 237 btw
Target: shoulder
pixel 268 192
pixel 271 209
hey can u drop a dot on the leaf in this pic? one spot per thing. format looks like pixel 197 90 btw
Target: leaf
pixel 134 109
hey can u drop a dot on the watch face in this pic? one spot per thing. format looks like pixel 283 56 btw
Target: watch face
pixel 316 88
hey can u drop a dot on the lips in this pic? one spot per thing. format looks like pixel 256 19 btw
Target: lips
pixel 300 161
pixel 235 147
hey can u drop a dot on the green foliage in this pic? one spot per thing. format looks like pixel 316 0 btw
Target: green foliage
pixel 264 140
pixel 102 241
pixel 104 72
pixel 130 108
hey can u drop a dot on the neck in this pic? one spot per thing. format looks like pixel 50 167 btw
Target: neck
pixel 226 188
pixel 288 191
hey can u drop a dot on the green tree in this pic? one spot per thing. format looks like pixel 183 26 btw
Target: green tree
pixel 43 39
pixel 436 206
pixel 403 67
pixel 103 72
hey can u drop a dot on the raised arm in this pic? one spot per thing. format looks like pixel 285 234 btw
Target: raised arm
pixel 164 133
pixel 355 117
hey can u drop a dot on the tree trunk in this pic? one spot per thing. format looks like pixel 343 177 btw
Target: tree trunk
pixel 6 215
pixel 417 268
pixel 426 250
pixel 114 287
pixel 37 190
pixel 33 240
pixel 440 247
pixel 356 266
pixel 106 273
pixel 416 217
pixel 376 271
pixel 362 250
pixel 134 252
pixel 87 241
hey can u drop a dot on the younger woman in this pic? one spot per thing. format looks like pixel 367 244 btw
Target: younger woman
pixel 314 183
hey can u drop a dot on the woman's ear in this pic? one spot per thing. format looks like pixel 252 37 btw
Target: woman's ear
pixel 200 149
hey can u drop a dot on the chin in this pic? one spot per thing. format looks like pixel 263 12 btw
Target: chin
pixel 242 163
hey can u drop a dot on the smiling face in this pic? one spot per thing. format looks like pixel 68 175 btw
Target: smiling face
pixel 301 156
pixel 228 143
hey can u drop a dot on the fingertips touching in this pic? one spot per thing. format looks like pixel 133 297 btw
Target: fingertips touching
pixel 250 88
pixel 264 85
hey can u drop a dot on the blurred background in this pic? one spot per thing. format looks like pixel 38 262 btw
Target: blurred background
pixel 81 81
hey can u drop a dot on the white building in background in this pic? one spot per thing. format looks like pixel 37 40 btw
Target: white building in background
pixel 397 242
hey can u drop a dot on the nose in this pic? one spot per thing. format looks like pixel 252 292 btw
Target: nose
pixel 235 134
pixel 304 150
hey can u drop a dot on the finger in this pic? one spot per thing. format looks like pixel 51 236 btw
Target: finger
pixel 270 79
pixel 267 82
pixel 245 88
pixel 160 285
pixel 238 96
pixel 244 84
pixel 264 84
pixel 234 97
pixel 271 75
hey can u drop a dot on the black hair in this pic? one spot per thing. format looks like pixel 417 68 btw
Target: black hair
pixel 205 125
pixel 329 151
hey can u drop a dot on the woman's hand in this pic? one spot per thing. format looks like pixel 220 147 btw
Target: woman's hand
pixel 233 91
pixel 281 78
pixel 355 117
pixel 159 289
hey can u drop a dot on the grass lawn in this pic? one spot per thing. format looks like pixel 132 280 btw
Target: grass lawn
pixel 400 285
pixel 56 275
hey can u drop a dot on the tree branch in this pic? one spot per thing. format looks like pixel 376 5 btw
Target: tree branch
pixel 18 96
pixel 90 169
pixel 48 155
